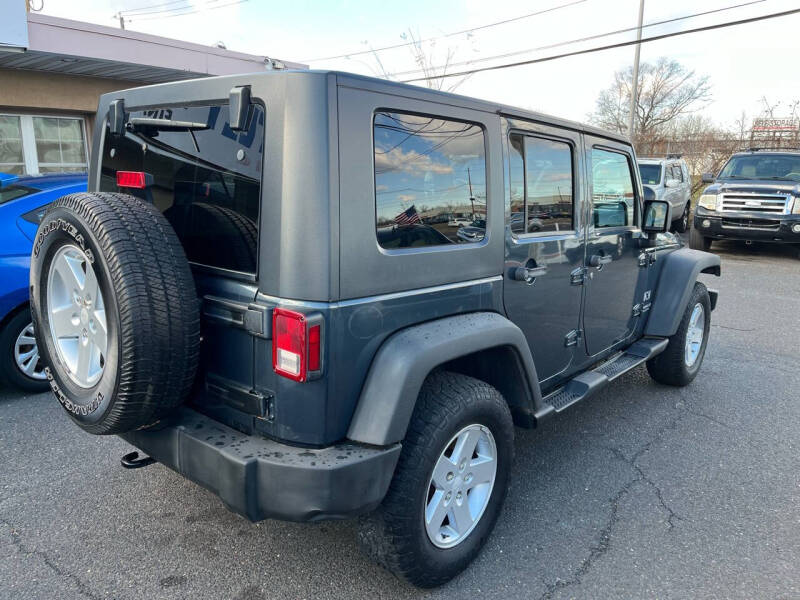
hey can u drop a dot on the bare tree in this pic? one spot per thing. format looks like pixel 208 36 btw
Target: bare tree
pixel 667 92
pixel 433 65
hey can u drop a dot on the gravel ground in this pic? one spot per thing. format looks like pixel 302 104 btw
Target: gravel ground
pixel 642 492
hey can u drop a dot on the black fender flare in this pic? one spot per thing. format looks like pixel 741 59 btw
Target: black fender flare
pixel 675 284
pixel 406 358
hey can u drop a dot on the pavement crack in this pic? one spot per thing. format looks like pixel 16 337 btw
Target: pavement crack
pixel 603 543
pixel 16 542
pixel 598 549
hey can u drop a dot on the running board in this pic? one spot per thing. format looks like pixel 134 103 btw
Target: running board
pixel 589 383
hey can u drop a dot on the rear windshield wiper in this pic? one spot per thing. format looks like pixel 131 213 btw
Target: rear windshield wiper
pixel 164 124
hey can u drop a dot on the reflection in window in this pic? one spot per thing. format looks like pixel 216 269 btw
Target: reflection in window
pixel 612 189
pixel 541 185
pixel 430 181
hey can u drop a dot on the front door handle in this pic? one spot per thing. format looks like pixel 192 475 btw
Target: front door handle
pixel 528 274
pixel 598 260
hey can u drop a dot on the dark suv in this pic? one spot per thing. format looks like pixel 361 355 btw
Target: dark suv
pixel 264 290
pixel 755 197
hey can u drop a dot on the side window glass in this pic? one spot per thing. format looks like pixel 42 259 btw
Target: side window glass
pixel 430 181
pixel 541 185
pixel 613 200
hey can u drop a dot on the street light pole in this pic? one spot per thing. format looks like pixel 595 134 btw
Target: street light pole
pixel 635 80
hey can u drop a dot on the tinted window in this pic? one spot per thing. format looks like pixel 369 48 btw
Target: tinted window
pixel 430 180
pixel 613 199
pixel 541 184
pixel 206 178
pixel 650 174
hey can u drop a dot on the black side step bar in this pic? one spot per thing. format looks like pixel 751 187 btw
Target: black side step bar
pixel 589 383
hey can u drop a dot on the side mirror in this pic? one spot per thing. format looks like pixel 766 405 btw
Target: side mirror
pixel 649 193
pixel 671 183
pixel 708 178
pixel 657 217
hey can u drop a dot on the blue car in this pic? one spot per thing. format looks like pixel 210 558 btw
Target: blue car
pixel 23 201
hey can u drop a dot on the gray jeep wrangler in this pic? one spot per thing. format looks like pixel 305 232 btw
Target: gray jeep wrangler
pixel 321 296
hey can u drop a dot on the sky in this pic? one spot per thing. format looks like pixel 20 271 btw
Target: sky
pixel 744 63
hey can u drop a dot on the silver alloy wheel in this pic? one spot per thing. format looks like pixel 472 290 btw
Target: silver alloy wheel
pixel 77 315
pixel 460 486
pixel 694 335
pixel 26 354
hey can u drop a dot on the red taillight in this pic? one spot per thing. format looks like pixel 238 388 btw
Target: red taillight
pixel 132 179
pixel 296 344
pixel 314 336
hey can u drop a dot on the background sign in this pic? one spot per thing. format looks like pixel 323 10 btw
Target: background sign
pixel 765 124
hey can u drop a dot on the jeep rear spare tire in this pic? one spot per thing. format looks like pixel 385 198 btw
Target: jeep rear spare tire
pixel 115 311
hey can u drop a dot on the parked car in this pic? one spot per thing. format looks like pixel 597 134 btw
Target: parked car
pixel 474 232
pixel 346 370
pixel 755 197
pixel 22 204
pixel 459 222
pixel 670 180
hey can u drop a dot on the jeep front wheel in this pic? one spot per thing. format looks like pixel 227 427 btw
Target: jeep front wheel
pixel 449 484
pixel 114 310
pixel 679 364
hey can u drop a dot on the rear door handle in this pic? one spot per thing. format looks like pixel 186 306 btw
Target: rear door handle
pixel 598 260
pixel 528 274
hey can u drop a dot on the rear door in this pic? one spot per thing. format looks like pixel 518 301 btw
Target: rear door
pixel 205 179
pixel 544 243
pixel 612 246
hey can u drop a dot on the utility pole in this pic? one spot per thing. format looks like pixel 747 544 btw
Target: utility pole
pixel 471 197
pixel 635 81
pixel 121 20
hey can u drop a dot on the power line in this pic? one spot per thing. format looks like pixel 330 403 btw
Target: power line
pixel 135 10
pixel 191 12
pixel 451 34
pixel 587 38
pixel 611 46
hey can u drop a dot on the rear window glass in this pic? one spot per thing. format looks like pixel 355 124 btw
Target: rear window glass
pixel 650 174
pixel 430 181
pixel 206 178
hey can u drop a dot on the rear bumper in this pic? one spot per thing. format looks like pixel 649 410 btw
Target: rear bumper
pixel 738 226
pixel 260 478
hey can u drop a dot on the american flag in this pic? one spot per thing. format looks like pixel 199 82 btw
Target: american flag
pixel 408 217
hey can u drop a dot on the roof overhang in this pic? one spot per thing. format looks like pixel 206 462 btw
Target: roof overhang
pixel 78 48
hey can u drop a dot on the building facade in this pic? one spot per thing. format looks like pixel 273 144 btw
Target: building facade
pixel 53 71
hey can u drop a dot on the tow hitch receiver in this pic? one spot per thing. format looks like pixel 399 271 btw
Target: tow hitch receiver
pixel 132 460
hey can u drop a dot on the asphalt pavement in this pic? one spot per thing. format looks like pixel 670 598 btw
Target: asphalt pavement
pixel 644 491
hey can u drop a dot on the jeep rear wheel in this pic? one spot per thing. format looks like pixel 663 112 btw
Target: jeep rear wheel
pixel 449 484
pixel 115 311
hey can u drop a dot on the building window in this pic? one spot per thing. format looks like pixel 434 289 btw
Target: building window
pixel 12 159
pixel 38 144
pixel 430 181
